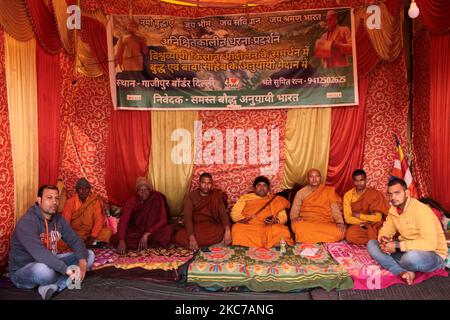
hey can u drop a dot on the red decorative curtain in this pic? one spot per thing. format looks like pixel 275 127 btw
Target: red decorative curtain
pixel 366 56
pixel 49 82
pixel 43 21
pixel 85 121
pixel 435 15
pixel 236 179
pixel 421 113
pixel 94 33
pixel 128 152
pixel 387 105
pixel 7 217
pixel 348 126
pixel 440 117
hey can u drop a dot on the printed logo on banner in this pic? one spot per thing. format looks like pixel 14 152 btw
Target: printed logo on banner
pixel 232 83
pixel 331 95
pixel 134 97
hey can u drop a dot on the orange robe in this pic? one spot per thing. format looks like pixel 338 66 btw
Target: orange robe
pixel 317 224
pixel 256 233
pixel 87 218
pixel 370 201
pixel 205 217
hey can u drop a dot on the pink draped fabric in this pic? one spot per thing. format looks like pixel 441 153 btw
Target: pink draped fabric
pixel 49 82
pixel 127 155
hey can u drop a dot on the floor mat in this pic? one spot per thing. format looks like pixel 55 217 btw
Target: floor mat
pixel 435 288
pixel 150 259
pixel 261 269
pixel 366 273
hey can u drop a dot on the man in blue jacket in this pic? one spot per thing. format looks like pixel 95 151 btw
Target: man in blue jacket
pixel 33 257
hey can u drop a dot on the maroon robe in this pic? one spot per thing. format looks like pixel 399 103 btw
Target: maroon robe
pixel 138 217
pixel 204 216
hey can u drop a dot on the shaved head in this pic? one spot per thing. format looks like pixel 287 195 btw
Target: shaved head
pixel 310 171
pixel 314 177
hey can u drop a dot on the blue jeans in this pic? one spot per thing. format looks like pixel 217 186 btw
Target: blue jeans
pixel 398 262
pixel 39 274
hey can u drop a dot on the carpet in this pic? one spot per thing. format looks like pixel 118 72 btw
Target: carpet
pixel 260 269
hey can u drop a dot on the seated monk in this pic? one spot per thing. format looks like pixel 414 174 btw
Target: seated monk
pixel 205 217
pixel 143 221
pixel 364 210
pixel 260 218
pixel 84 212
pixel 316 215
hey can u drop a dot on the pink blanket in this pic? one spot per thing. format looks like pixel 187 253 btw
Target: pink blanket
pixel 366 273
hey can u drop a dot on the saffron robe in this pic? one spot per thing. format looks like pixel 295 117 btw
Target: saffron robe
pixel 87 218
pixel 320 212
pixel 256 233
pixel 205 217
pixel 366 228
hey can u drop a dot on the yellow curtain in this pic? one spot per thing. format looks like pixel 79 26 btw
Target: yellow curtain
pixel 388 40
pixel 65 34
pixel 86 63
pixel 307 143
pixel 165 175
pixel 20 62
pixel 14 19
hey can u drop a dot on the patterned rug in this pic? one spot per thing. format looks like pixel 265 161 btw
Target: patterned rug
pixel 366 273
pixel 149 259
pixel 260 269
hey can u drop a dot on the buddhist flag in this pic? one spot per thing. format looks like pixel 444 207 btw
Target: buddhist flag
pixel 401 170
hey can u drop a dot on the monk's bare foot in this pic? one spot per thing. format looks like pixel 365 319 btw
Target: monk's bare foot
pixel 408 276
